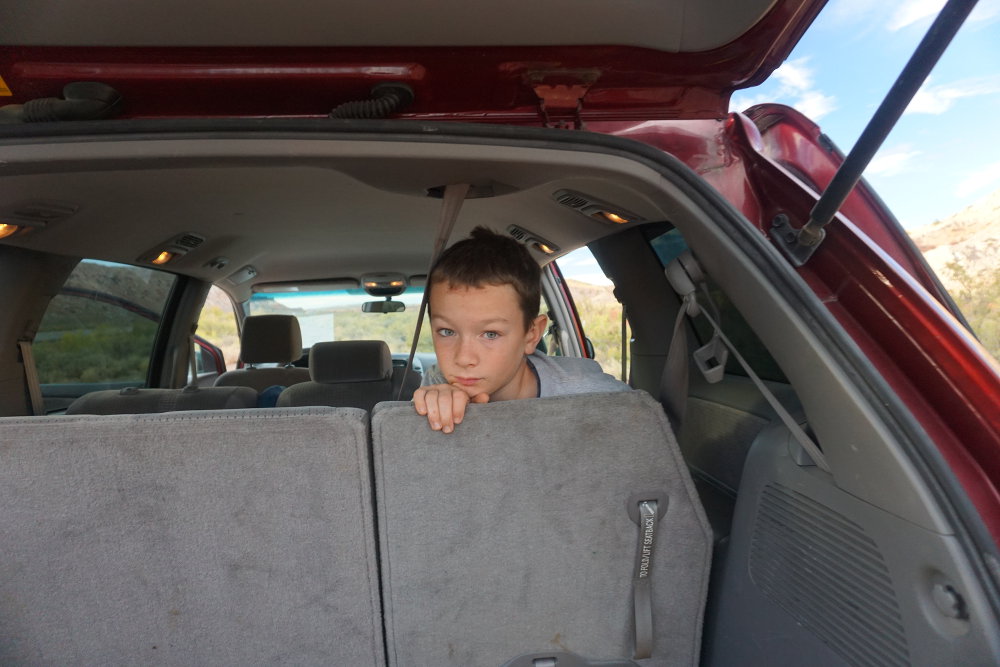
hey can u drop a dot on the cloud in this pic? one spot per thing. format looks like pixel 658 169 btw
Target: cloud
pixel 892 161
pixel 815 104
pixel 986 177
pixel 741 102
pixel 985 11
pixel 939 99
pixel 845 12
pixel 912 11
pixel 794 74
pixel 794 87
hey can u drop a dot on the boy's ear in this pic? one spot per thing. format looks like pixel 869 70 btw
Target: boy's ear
pixel 535 332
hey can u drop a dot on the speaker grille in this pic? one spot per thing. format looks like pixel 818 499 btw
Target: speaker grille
pixel 190 241
pixel 826 572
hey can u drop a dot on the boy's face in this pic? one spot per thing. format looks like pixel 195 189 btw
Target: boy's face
pixel 480 340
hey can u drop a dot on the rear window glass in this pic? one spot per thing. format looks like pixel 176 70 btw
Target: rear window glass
pixel 98 331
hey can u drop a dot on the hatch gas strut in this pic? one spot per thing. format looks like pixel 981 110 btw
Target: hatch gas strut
pixel 800 244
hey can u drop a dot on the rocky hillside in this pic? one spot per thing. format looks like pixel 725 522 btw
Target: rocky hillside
pixel 969 238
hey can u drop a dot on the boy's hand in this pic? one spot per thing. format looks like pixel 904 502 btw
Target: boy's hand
pixel 444 405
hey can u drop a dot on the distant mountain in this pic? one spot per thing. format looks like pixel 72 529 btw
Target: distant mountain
pixel 601 295
pixel 970 238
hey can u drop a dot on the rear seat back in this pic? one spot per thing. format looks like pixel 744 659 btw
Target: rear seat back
pixel 512 535
pixel 268 339
pixel 135 401
pixel 350 373
pixel 228 538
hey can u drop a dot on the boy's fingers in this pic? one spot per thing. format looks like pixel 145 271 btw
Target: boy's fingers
pixel 434 409
pixel 459 400
pixel 447 405
pixel 419 401
pixel 444 405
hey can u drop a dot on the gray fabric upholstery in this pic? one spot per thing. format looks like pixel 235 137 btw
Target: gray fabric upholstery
pixel 260 379
pixel 210 538
pixel 268 339
pixel 350 361
pixel 356 374
pixel 512 536
pixel 145 401
pixel 410 382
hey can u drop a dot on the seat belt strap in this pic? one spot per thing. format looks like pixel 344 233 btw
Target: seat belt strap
pixel 31 378
pixel 451 204
pixel 810 447
pixel 684 274
pixel 642 591
pixel 674 378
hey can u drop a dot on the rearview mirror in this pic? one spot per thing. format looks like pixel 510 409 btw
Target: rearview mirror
pixel 386 306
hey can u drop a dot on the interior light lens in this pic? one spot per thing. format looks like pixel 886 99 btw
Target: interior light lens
pixel 614 217
pixel 7 229
pixel 397 283
pixel 544 248
pixel 163 258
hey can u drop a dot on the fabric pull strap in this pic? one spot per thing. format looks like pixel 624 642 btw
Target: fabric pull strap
pixel 642 583
pixel 31 378
pixel 454 196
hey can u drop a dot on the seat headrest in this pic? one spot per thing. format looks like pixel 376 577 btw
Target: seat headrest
pixel 270 339
pixel 350 361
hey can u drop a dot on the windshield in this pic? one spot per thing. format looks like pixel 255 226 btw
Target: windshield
pixel 337 315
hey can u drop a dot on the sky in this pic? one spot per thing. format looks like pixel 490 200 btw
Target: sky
pixel 942 155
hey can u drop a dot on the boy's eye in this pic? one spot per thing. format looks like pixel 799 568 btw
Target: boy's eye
pixel 445 332
pixel 491 335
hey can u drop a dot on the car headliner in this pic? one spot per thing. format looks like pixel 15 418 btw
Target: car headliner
pixel 300 208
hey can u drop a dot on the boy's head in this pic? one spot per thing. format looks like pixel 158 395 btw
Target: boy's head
pixel 484 295
pixel 488 258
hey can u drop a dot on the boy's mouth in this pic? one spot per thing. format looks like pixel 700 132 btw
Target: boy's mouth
pixel 466 382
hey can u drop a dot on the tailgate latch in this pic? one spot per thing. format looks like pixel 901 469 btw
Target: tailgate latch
pixel 560 96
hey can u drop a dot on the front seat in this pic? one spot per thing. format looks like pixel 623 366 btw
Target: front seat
pixel 346 374
pixel 268 339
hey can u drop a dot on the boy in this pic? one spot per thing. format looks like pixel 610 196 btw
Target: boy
pixel 484 300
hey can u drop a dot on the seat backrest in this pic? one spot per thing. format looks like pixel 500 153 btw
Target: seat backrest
pixel 513 534
pixel 135 401
pixel 407 380
pixel 356 374
pixel 267 339
pixel 211 538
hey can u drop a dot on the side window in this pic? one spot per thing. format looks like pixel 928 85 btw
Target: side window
pixel 218 333
pixel 98 331
pixel 600 312
pixel 671 244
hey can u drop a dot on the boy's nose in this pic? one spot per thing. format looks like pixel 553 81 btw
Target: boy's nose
pixel 465 355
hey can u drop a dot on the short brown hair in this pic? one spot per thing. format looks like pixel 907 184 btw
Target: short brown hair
pixel 488 258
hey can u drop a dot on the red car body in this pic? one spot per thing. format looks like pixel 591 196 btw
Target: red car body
pixel 767 161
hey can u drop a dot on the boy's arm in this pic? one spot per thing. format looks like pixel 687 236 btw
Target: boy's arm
pixel 444 405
